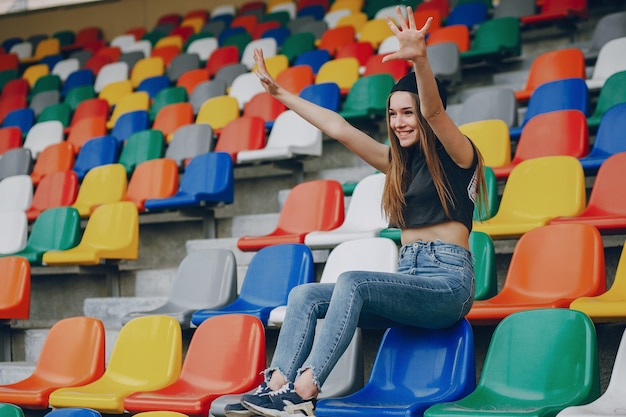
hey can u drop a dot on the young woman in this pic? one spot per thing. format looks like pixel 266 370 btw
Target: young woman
pixel 433 173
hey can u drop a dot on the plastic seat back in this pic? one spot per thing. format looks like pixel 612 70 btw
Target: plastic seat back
pixel 204 279
pixel 486 279
pixel 613 92
pixel 222 56
pixel 284 265
pixel 558 348
pixel 458 34
pixel 189 141
pixel 218 111
pixel 56 228
pixel 536 191
pixel 364 216
pixel 60 111
pixel 10 138
pixel 444 358
pixel 112 232
pixel 16 193
pixel 344 72
pixel 336 37
pixel 244 133
pixel 141 146
pixel 495 39
pixel 491 137
pixel 309 206
pixel 155 178
pixel 54 158
pixel 563 94
pixel 559 132
pixel 171 117
pixel 85 130
pixel 95 152
pixel 56 189
pixel 73 354
pixel 138 100
pixel 166 97
pixel 244 87
pixel 147 355
pixel 102 184
pixel 551 266
pixel 20 118
pixel 109 73
pixel 15 298
pixel 606 208
pixel 208 179
pixel 16 161
pixel 609 62
pixel 367 98
pixel 550 66
pixel 191 78
pixel 324 94
pixel 10 410
pixel 265 106
pixel 14 225
pixel 129 123
pixel 210 369
pixel 42 135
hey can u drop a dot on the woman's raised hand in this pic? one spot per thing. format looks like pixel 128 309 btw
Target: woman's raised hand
pixel 411 39
pixel 264 76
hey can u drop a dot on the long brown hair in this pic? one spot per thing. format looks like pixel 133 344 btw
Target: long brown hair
pixel 398 175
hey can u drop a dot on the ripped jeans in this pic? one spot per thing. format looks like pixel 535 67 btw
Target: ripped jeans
pixel 433 288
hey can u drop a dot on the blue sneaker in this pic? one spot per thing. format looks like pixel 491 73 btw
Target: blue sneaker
pixel 238 409
pixel 284 401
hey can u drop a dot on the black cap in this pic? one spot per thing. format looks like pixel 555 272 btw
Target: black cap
pixel 409 83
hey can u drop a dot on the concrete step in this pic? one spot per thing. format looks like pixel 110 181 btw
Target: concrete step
pixel 111 309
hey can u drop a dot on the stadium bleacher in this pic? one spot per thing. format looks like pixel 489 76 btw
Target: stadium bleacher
pixel 142 80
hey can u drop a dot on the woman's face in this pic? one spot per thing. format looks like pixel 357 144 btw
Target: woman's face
pixel 403 118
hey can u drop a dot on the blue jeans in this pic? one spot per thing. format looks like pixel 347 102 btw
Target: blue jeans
pixel 433 288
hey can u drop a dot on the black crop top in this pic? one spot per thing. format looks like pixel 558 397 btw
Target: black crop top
pixel 423 207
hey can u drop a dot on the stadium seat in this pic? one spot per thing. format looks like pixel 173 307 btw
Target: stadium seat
pixel 324 94
pixel 16 161
pixel 73 354
pixel 139 147
pixel 85 130
pixel 207 181
pixel 367 254
pixel 459 34
pixel 558 10
pixel 206 90
pixel 102 184
pixel 491 137
pixel 42 135
pixel 218 112
pixel 23 119
pixel 283 145
pixel 10 410
pixel 94 107
pixel 608 306
pixel 265 106
pixel 495 39
pixel 155 178
pixel 171 117
pixel 211 369
pixel 189 141
pixel 609 62
pixel 10 138
pixel 367 98
pixel 16 193
pixel 309 206
pixel 443 360
pixel 204 279
pixel 552 65
pixel 95 152
pixel 243 133
pixel 54 158
pixel 607 141
pixel 563 94
pixel 536 191
pixel 15 231
pixel 559 132
pixel 551 266
pixel 109 73
pixel 606 208
pixel 364 216
pixel 283 265
pixel 61 112
pixel 343 71
pixel 15 299
pixel 56 189
pixel 129 123
pixel 138 100
pixel 147 355
pixel 558 350
pixel 613 92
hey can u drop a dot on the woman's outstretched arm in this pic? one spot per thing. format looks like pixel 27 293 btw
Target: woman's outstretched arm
pixel 332 124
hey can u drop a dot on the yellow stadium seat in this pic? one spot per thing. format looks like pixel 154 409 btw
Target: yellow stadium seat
pixel 113 92
pixel 139 100
pixel 146 68
pixel 112 232
pixel 34 72
pixel 492 139
pixel 218 112
pixel 147 355
pixel 102 184
pixel 342 71
pixel 536 191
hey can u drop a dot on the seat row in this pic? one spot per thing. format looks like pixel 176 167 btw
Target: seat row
pixel 556 345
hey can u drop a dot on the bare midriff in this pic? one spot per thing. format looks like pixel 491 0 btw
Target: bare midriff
pixel 449 232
